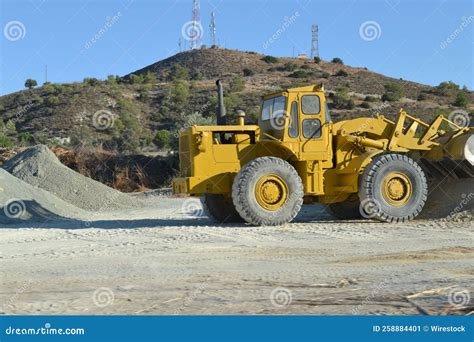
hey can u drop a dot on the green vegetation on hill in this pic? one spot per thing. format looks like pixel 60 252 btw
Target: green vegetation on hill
pixel 148 107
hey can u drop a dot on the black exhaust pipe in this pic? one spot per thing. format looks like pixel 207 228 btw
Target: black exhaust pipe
pixel 220 113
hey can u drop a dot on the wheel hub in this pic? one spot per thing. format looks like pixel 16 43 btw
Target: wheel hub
pixel 397 189
pixel 271 192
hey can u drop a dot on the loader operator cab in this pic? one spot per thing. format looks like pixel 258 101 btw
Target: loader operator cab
pixel 297 115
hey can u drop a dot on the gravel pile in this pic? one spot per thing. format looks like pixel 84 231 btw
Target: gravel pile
pixel 38 166
pixel 20 201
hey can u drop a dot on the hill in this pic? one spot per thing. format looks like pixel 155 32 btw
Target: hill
pixel 141 111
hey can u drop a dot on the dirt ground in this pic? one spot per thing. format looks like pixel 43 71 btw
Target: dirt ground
pixel 166 258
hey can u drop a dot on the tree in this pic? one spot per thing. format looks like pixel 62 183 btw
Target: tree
pixel 178 72
pixel 393 92
pixel 237 84
pixel 317 60
pixel 462 100
pixel 162 139
pixel 30 83
pixel 337 60
pixel 448 88
pixel 248 72
pixel 270 59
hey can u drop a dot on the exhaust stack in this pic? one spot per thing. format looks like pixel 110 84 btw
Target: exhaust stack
pixel 221 113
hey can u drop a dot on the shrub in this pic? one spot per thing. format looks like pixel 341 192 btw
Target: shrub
pixel 421 97
pixel 237 84
pixel 325 75
pixel 337 60
pixel 298 74
pixel 270 59
pixel 52 100
pixel 30 83
pixel 162 139
pixel 341 73
pixel 447 88
pixel 5 141
pixel 317 60
pixel 365 104
pixel 461 100
pixel 25 138
pixel 178 72
pixel 136 79
pixel 393 92
pixel 341 99
pixel 369 98
pixel 91 81
pixel 305 67
pixel 248 72
pixel 288 67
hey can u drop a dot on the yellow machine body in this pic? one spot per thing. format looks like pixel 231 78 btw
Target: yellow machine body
pixel 295 126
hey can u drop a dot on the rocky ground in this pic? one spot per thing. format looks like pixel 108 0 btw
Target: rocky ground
pixel 167 259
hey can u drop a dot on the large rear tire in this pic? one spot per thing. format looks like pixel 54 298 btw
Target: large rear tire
pixel 268 192
pixel 393 188
pixel 220 208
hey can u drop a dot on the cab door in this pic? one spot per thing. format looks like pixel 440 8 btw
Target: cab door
pixel 314 133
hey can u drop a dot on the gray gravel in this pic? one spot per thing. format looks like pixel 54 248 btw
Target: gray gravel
pixel 38 166
pixel 23 202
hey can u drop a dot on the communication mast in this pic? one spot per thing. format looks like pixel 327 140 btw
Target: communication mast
pixel 212 29
pixel 196 32
pixel 314 41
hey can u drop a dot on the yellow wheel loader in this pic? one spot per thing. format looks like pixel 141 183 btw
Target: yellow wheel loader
pixel 372 167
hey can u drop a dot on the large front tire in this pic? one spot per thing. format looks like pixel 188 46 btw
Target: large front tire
pixel 393 188
pixel 268 192
pixel 220 208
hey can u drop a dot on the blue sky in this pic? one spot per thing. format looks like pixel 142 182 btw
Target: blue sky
pixel 410 41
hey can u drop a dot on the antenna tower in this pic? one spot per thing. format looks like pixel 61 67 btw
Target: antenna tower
pixel 212 29
pixel 196 33
pixel 314 41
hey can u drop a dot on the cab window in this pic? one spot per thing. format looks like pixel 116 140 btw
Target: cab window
pixel 311 128
pixel 273 108
pixel 310 104
pixel 293 126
